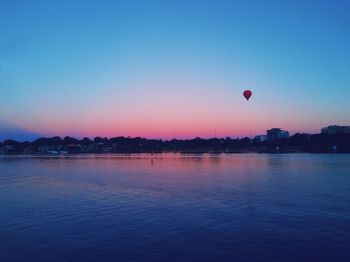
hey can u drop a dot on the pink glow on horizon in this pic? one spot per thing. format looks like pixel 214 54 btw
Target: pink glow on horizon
pixel 176 111
pixel 166 128
pixel 185 122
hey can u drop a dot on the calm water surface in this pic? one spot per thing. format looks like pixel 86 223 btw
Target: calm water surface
pixel 175 207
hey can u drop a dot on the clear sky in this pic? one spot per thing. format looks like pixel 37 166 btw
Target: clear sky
pixel 172 68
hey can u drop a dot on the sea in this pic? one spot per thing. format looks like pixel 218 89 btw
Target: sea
pixel 175 207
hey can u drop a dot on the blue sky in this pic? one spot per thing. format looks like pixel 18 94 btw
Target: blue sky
pixel 154 68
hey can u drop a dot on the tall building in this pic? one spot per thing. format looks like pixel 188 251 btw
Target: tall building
pixel 335 130
pixel 276 133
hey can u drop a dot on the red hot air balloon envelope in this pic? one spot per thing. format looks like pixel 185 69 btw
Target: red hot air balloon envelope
pixel 247 94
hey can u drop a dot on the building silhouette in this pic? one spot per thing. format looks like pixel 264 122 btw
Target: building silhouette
pixel 276 134
pixel 335 130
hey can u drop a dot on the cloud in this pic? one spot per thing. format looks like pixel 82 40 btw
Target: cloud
pixel 8 131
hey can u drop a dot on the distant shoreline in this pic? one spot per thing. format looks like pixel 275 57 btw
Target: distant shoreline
pixel 298 143
pixel 170 153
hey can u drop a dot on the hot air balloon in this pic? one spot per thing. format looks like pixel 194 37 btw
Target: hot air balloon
pixel 247 94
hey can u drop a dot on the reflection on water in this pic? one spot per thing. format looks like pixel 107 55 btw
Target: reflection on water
pixel 173 207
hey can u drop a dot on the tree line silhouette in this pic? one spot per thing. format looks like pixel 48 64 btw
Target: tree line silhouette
pixel 316 143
